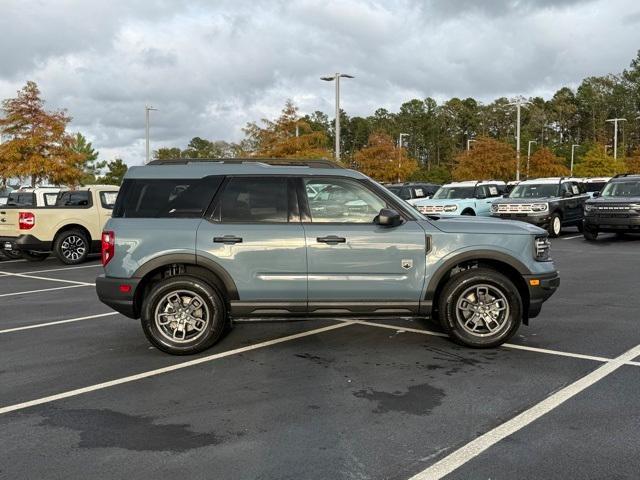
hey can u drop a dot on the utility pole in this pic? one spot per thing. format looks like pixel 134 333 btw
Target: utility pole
pixel 615 134
pixel 336 77
pixel 573 149
pixel 400 151
pixel 147 109
pixel 529 156
pixel 518 104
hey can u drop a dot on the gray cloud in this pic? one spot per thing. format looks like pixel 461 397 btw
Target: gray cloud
pixel 209 67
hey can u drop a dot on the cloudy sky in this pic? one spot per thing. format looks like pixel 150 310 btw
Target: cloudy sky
pixel 211 66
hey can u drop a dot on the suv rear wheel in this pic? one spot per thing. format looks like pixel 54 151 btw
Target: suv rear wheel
pixel 480 308
pixel 183 315
pixel 71 247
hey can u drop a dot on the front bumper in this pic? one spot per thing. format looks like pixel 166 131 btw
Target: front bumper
pixel 111 294
pixel 541 287
pixel 541 220
pixel 618 223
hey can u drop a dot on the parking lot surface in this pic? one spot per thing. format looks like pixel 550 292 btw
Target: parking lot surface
pixel 83 395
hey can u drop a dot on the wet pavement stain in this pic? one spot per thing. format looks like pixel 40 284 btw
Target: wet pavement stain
pixel 110 429
pixel 315 359
pixel 417 400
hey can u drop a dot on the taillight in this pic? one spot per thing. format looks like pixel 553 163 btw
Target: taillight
pixel 26 220
pixel 108 247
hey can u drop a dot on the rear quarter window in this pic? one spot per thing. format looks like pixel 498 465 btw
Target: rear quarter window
pixel 21 199
pixel 79 198
pixel 108 199
pixel 165 198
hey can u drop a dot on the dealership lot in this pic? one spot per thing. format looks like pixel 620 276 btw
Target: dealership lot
pixel 82 394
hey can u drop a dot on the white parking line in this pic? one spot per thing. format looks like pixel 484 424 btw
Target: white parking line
pixel 474 448
pixel 44 290
pixel 2 274
pixel 58 322
pixel 572 237
pixel 504 345
pixel 24 275
pixel 171 368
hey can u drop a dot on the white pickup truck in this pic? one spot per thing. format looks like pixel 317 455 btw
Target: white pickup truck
pixel 71 228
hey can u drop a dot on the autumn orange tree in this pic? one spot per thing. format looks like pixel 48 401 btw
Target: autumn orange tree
pixel 39 146
pixel 544 163
pixel 632 163
pixel 596 163
pixel 383 161
pixel 487 159
pixel 288 136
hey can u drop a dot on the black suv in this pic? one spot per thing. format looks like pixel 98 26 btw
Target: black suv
pixel 411 191
pixel 615 209
pixel 550 203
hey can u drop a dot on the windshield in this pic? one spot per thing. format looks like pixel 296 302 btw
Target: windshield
pixel 455 192
pixel 622 189
pixel 535 190
pixel 595 186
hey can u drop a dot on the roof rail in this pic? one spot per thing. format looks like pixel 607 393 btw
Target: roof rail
pixel 624 175
pixel 293 162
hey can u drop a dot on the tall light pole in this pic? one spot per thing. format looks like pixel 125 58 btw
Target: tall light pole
pixel 529 155
pixel 615 134
pixel 400 137
pixel 336 77
pixel 518 104
pixel 147 109
pixel 469 143
pixel 573 150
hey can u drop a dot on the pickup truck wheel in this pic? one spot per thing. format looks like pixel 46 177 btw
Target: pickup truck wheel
pixel 555 225
pixel 71 247
pixel 480 308
pixel 183 315
pixel 34 256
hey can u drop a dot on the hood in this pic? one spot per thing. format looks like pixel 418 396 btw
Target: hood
pixel 601 200
pixel 504 201
pixel 464 224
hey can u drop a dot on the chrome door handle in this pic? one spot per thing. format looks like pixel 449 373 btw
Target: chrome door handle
pixel 229 239
pixel 331 240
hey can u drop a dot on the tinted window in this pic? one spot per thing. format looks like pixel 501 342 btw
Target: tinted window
pixel 595 186
pixel 253 199
pixel 343 201
pixel 622 189
pixel 80 198
pixel 21 199
pixel 534 190
pixel 455 192
pixel 188 198
pixel 108 199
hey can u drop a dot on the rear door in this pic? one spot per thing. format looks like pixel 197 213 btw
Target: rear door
pixel 254 234
pixel 354 264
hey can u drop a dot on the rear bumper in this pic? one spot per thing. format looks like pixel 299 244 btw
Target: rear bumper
pixel 31 243
pixel 8 243
pixel 110 293
pixel 548 283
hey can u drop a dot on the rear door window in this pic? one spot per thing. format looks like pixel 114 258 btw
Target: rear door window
pixel 165 198
pixel 254 200
pixel 21 199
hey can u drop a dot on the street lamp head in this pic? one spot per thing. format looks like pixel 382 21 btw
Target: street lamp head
pixel 327 79
pixel 344 75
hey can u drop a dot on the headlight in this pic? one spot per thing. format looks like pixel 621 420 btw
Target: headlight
pixel 539 207
pixel 450 208
pixel 587 207
pixel 542 249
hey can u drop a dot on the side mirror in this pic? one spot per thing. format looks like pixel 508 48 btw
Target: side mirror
pixel 388 218
pixel 596 194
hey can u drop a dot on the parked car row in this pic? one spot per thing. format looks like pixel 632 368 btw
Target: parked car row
pixel 66 222
pixel 593 205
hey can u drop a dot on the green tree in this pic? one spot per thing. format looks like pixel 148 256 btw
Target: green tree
pixel 596 163
pixel 439 175
pixel 115 173
pixel 91 167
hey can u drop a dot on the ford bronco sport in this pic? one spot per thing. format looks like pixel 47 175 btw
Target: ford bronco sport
pixel 463 198
pixel 615 209
pixel 193 244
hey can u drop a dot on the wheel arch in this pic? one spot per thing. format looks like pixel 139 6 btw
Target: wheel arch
pixel 503 263
pixel 470 210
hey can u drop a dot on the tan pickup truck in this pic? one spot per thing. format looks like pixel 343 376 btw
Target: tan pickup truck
pixel 71 229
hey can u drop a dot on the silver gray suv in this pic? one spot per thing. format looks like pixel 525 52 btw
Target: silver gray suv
pixel 194 244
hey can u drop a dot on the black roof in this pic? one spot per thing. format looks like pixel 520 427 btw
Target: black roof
pixel 313 163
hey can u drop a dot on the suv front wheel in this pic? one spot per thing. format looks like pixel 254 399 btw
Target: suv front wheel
pixel 480 308
pixel 183 315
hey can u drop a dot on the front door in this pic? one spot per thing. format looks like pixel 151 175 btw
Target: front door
pixel 355 265
pixel 255 235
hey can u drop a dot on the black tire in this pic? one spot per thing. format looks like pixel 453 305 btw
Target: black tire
pixel 469 213
pixel 465 285
pixel 71 246
pixel 12 254
pixel 580 226
pixel 156 302
pixel 35 256
pixel 590 234
pixel 555 225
